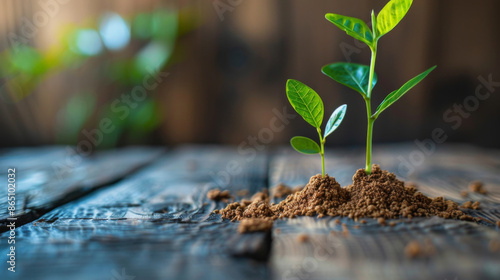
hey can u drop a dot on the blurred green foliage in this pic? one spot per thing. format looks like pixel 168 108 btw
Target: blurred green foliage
pixel 126 50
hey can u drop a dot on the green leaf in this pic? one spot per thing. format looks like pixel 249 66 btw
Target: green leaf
pixel 353 75
pixel 306 102
pixel 335 120
pixel 305 145
pixel 391 15
pixel 352 26
pixel 395 95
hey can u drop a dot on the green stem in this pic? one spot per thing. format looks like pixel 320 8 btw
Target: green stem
pixel 322 153
pixel 369 132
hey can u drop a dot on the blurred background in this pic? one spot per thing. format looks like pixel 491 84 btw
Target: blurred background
pixel 214 71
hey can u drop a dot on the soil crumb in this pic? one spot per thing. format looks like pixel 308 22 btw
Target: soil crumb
pixel 379 195
pixel 217 194
pixel 464 193
pixel 302 238
pixel 282 190
pixel 470 205
pixel 415 249
pixel 255 224
pixel 242 192
pixel 494 245
pixel 477 187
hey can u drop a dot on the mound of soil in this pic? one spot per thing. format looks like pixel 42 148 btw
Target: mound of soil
pixel 322 195
pixel 382 195
pixel 378 195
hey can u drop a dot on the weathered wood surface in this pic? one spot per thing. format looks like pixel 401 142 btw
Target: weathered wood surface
pixel 49 177
pixel 156 224
pixel 373 251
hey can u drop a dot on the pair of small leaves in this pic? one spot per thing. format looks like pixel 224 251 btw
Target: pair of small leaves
pixel 308 146
pixel 309 105
pixel 386 20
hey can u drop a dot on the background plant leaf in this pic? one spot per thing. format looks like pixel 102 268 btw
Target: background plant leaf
pixel 353 75
pixel 391 15
pixel 395 95
pixel 354 27
pixel 305 145
pixel 306 102
pixel 335 120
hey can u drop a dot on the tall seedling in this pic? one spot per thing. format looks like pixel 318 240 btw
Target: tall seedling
pixel 362 78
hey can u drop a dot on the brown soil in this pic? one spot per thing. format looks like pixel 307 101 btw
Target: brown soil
pixel 217 194
pixel 282 190
pixel 494 245
pixel 379 195
pixel 416 249
pixel 470 205
pixel 477 187
pixel 302 238
pixel 255 224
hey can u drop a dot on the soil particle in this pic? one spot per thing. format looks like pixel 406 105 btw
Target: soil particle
pixel 379 195
pixel 415 249
pixel 282 190
pixel 261 196
pixel 464 193
pixel 255 224
pixel 302 238
pixel 392 224
pixel 498 224
pixel 494 245
pixel 470 205
pixel 477 187
pixel 217 194
pixel 381 221
pixel 242 192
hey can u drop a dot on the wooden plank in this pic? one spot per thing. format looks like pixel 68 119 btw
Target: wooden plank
pixel 156 224
pixel 373 251
pixel 49 177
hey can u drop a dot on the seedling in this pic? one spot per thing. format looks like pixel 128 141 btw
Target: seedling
pixel 309 105
pixel 362 78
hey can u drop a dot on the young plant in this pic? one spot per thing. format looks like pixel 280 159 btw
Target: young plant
pixel 309 105
pixel 362 78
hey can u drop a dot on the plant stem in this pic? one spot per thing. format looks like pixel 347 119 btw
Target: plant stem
pixel 322 153
pixel 369 132
pixel 371 120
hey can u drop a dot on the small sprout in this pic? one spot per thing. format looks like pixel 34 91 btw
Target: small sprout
pixel 309 105
pixel 362 78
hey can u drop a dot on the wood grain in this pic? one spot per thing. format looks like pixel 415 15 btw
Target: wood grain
pixel 156 224
pixel 49 177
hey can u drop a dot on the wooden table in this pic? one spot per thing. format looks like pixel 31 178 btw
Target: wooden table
pixel 142 213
